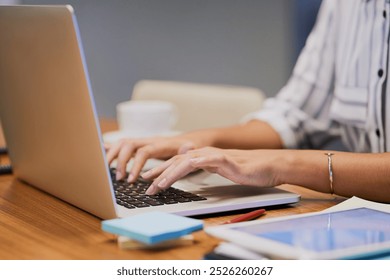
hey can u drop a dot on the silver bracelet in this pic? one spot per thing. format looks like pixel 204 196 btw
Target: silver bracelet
pixel 330 168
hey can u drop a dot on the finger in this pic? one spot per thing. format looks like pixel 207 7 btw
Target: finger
pixel 107 146
pixel 113 151
pixel 124 156
pixel 174 172
pixel 155 149
pixel 156 171
pixel 140 158
pixel 152 190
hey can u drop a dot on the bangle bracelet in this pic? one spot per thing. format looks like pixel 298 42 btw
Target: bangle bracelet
pixel 330 169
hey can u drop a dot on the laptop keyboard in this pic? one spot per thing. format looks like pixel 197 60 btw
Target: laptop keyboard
pixel 132 195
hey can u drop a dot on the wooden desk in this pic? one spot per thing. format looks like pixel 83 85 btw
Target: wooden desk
pixel 35 225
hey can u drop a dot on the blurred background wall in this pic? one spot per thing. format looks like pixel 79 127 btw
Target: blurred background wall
pixel 246 42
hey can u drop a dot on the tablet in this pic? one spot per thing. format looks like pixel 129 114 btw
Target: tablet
pixel 359 233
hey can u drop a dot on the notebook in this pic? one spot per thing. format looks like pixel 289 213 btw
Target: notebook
pixel 152 227
pixel 51 126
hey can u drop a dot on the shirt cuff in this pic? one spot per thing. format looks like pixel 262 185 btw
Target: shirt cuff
pixel 279 123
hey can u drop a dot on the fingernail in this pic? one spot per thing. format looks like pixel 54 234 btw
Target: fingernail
pixel 151 190
pixel 118 175
pixel 162 183
pixel 130 178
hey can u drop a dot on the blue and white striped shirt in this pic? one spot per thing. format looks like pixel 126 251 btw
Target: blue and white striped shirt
pixel 340 85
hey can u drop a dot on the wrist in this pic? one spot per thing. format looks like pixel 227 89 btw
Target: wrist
pixel 202 138
pixel 280 166
pixel 308 169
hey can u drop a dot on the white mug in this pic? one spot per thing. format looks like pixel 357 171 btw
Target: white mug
pixel 144 118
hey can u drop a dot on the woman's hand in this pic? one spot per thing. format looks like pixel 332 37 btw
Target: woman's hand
pixel 252 135
pixel 240 166
pixel 143 149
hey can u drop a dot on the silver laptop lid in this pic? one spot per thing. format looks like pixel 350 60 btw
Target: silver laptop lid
pixel 45 97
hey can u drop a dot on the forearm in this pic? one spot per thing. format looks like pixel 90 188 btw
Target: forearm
pixel 251 135
pixel 362 175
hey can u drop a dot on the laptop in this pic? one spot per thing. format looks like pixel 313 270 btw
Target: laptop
pixel 52 131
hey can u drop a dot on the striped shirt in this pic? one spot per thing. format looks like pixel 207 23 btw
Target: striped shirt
pixel 340 87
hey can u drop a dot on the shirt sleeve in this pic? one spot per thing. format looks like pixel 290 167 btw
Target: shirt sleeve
pixel 300 111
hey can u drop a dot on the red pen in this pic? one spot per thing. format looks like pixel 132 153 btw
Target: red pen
pixel 246 217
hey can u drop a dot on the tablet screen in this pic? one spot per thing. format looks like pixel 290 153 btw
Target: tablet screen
pixel 327 231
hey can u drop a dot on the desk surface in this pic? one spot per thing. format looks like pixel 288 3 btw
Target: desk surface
pixel 35 225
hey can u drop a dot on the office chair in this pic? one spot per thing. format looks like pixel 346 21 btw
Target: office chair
pixel 202 105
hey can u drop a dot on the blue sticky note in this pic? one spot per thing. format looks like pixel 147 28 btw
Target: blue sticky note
pixel 152 227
